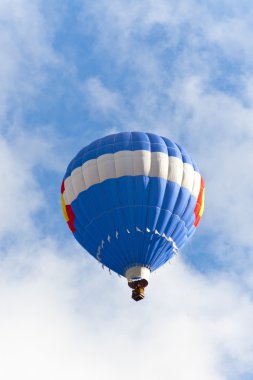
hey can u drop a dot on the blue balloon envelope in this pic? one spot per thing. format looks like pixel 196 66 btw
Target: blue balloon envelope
pixel 132 199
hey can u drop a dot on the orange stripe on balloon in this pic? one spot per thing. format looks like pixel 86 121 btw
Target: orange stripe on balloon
pixel 197 221
pixel 199 208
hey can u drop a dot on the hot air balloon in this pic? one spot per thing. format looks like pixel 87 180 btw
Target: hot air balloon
pixel 132 200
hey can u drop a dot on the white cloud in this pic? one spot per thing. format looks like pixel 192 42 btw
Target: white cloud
pixel 24 155
pixel 26 36
pixel 99 97
pixel 20 195
pixel 222 23
pixel 64 315
pixel 25 49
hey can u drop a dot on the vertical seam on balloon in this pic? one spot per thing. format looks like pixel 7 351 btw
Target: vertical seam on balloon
pixel 133 192
pixel 98 200
pixel 147 214
pixel 168 165
pixel 151 242
pixel 112 216
pixel 117 189
pixel 150 245
pixel 178 223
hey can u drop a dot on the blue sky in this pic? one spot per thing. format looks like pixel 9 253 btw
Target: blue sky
pixel 73 72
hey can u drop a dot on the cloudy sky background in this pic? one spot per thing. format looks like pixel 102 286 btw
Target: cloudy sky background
pixel 74 71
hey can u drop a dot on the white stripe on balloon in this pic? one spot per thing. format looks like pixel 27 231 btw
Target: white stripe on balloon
pixel 131 163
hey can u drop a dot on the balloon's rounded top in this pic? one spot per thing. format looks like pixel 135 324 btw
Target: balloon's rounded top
pixel 132 200
pixel 130 141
